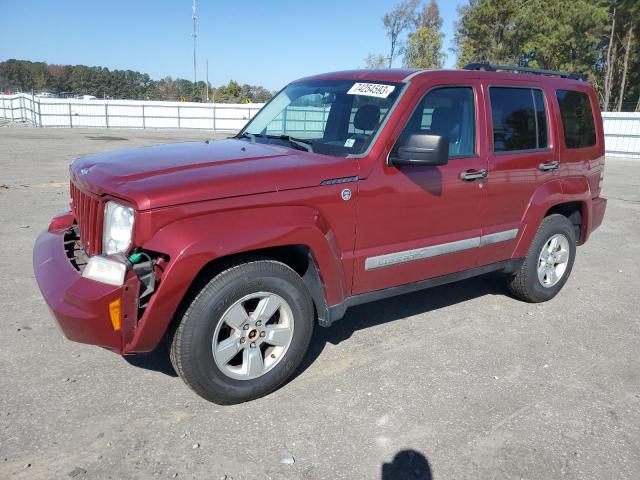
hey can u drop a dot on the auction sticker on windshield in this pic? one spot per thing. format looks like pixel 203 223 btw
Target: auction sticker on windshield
pixel 371 89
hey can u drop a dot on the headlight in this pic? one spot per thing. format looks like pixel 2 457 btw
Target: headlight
pixel 118 227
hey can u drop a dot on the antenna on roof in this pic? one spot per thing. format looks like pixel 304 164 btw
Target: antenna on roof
pixel 194 35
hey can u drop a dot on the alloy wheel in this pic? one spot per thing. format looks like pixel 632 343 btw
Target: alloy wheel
pixel 553 260
pixel 253 335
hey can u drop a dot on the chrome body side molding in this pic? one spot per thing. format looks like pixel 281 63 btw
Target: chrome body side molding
pixel 405 256
pixel 498 237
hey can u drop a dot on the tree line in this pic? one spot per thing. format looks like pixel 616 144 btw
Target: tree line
pixel 25 76
pixel 597 38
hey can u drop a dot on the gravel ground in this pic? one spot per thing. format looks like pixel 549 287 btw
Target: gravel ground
pixel 465 380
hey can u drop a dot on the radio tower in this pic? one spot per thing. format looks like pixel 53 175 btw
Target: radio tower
pixel 193 34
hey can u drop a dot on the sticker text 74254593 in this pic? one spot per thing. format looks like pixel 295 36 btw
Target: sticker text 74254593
pixel 371 89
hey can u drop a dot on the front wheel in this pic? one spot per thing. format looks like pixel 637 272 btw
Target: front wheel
pixel 245 333
pixel 548 263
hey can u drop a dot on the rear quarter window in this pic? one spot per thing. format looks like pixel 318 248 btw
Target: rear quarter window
pixel 577 119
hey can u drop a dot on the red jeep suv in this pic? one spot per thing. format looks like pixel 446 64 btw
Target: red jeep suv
pixel 345 188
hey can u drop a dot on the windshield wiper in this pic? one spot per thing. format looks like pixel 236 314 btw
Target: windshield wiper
pixel 250 136
pixel 298 142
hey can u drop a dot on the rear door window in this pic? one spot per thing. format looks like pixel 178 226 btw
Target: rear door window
pixel 577 119
pixel 519 119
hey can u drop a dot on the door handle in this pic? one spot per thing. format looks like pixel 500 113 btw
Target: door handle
pixel 545 167
pixel 471 175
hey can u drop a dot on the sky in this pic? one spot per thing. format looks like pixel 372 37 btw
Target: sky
pixel 268 43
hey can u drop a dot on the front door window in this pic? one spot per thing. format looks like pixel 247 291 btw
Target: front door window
pixel 448 112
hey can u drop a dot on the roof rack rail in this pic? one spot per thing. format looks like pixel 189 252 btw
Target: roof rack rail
pixel 488 67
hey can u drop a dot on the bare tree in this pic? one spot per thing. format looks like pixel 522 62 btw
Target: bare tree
pixel 397 21
pixel 429 17
pixel 625 67
pixel 375 60
pixel 611 53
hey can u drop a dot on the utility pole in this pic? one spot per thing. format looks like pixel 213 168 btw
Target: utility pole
pixel 193 34
pixel 207 86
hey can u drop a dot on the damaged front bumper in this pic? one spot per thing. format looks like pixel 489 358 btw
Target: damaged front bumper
pixel 83 307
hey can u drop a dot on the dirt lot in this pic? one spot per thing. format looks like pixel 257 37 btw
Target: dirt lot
pixel 472 382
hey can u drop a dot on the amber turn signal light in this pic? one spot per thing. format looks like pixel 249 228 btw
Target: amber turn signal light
pixel 114 314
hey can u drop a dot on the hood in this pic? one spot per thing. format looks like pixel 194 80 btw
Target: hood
pixel 172 174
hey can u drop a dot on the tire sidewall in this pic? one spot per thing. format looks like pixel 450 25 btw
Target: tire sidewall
pixel 206 313
pixel 556 224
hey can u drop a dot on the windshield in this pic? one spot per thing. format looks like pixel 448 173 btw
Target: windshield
pixel 332 117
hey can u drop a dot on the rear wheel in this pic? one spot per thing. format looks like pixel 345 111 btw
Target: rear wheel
pixel 245 333
pixel 548 263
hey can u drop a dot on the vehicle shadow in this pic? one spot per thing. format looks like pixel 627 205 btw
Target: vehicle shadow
pixel 358 318
pixel 407 464
pixel 157 360
pixel 396 308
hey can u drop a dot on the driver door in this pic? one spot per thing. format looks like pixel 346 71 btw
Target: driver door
pixel 419 222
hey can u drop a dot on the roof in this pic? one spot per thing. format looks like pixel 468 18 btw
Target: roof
pixel 375 74
pixel 406 74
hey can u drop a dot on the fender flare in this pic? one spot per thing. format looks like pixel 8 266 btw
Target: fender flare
pixel 191 244
pixel 547 196
pixel 577 189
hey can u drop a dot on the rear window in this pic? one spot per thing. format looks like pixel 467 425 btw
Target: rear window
pixel 577 119
pixel 519 119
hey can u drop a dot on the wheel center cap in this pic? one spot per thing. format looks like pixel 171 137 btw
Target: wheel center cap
pixel 253 334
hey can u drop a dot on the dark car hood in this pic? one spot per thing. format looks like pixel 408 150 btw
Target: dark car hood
pixel 164 175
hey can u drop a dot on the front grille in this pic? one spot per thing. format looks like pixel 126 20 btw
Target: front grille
pixel 75 253
pixel 88 213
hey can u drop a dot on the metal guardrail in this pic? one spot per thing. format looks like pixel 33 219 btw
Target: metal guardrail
pixel 71 113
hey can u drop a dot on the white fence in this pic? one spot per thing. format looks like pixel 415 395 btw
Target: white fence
pixel 73 113
pixel 621 129
pixel 622 133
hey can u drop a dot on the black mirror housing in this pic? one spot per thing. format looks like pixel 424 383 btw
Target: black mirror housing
pixel 422 149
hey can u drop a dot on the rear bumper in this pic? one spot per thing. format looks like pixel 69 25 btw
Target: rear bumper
pixel 80 305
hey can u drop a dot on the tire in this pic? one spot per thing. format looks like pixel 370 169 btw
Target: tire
pixel 539 280
pixel 228 299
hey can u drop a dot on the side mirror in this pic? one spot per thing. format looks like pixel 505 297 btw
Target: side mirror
pixel 422 149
